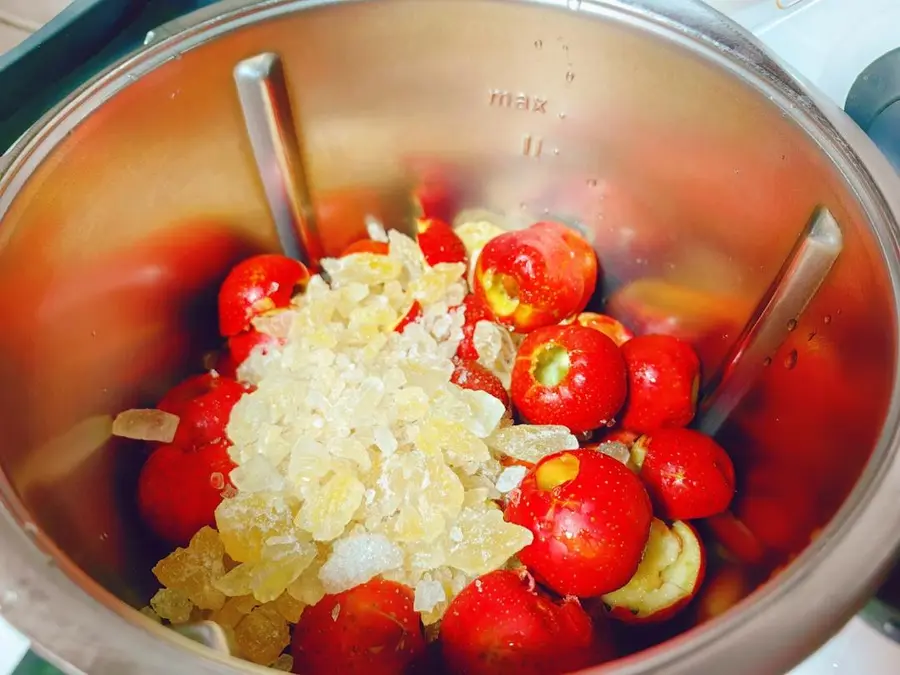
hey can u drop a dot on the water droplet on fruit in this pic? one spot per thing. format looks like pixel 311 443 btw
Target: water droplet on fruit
pixel 562 115
pixel 538 44
pixel 791 359
pixel 792 324
pixel 767 361
pixel 827 319
pixel 592 182
pixel 570 76
pixel 555 151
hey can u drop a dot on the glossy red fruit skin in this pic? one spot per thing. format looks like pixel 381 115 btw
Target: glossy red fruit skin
pixel 240 346
pixel 366 246
pixel 591 393
pixel 475 377
pixel 412 315
pixel 256 286
pixel 179 490
pixel 475 310
pixel 589 532
pixel 584 259
pixel 525 278
pixel 203 404
pixel 439 243
pixel 369 630
pixel 687 474
pixel 500 624
pixel 610 327
pixel 663 383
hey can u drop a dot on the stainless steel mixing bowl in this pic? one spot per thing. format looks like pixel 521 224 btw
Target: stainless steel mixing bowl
pixel 692 160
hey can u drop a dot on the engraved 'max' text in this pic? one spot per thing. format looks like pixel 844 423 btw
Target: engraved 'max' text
pixel 500 98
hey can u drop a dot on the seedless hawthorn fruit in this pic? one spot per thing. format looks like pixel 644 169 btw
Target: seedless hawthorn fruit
pixel 474 376
pixel 584 259
pixel 367 246
pixel 569 375
pixel 371 629
pixel 203 404
pixel 179 489
pixel 528 280
pixel 439 243
pixel 668 578
pixel 590 517
pixel 687 474
pixel 610 327
pixel 663 383
pixel 255 286
pixel 501 624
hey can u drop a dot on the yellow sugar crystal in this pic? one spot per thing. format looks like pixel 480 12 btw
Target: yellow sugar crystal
pixel 234 610
pixel 308 588
pixel 411 404
pixel 262 635
pixel 496 350
pixel 458 445
pixel 531 443
pixel 284 663
pixel 436 281
pixel 172 605
pixel 364 268
pixel 288 607
pixel 150 614
pixel 487 540
pixel 329 507
pixel 238 582
pixel 193 571
pixel 283 564
pixel 246 521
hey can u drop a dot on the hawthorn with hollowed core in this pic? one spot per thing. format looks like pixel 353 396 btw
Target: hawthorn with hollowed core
pixel 179 489
pixel 590 517
pixel 687 474
pixel 569 375
pixel 371 629
pixel 255 286
pixel 610 327
pixel 526 279
pixel 502 624
pixel 663 383
pixel 668 578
